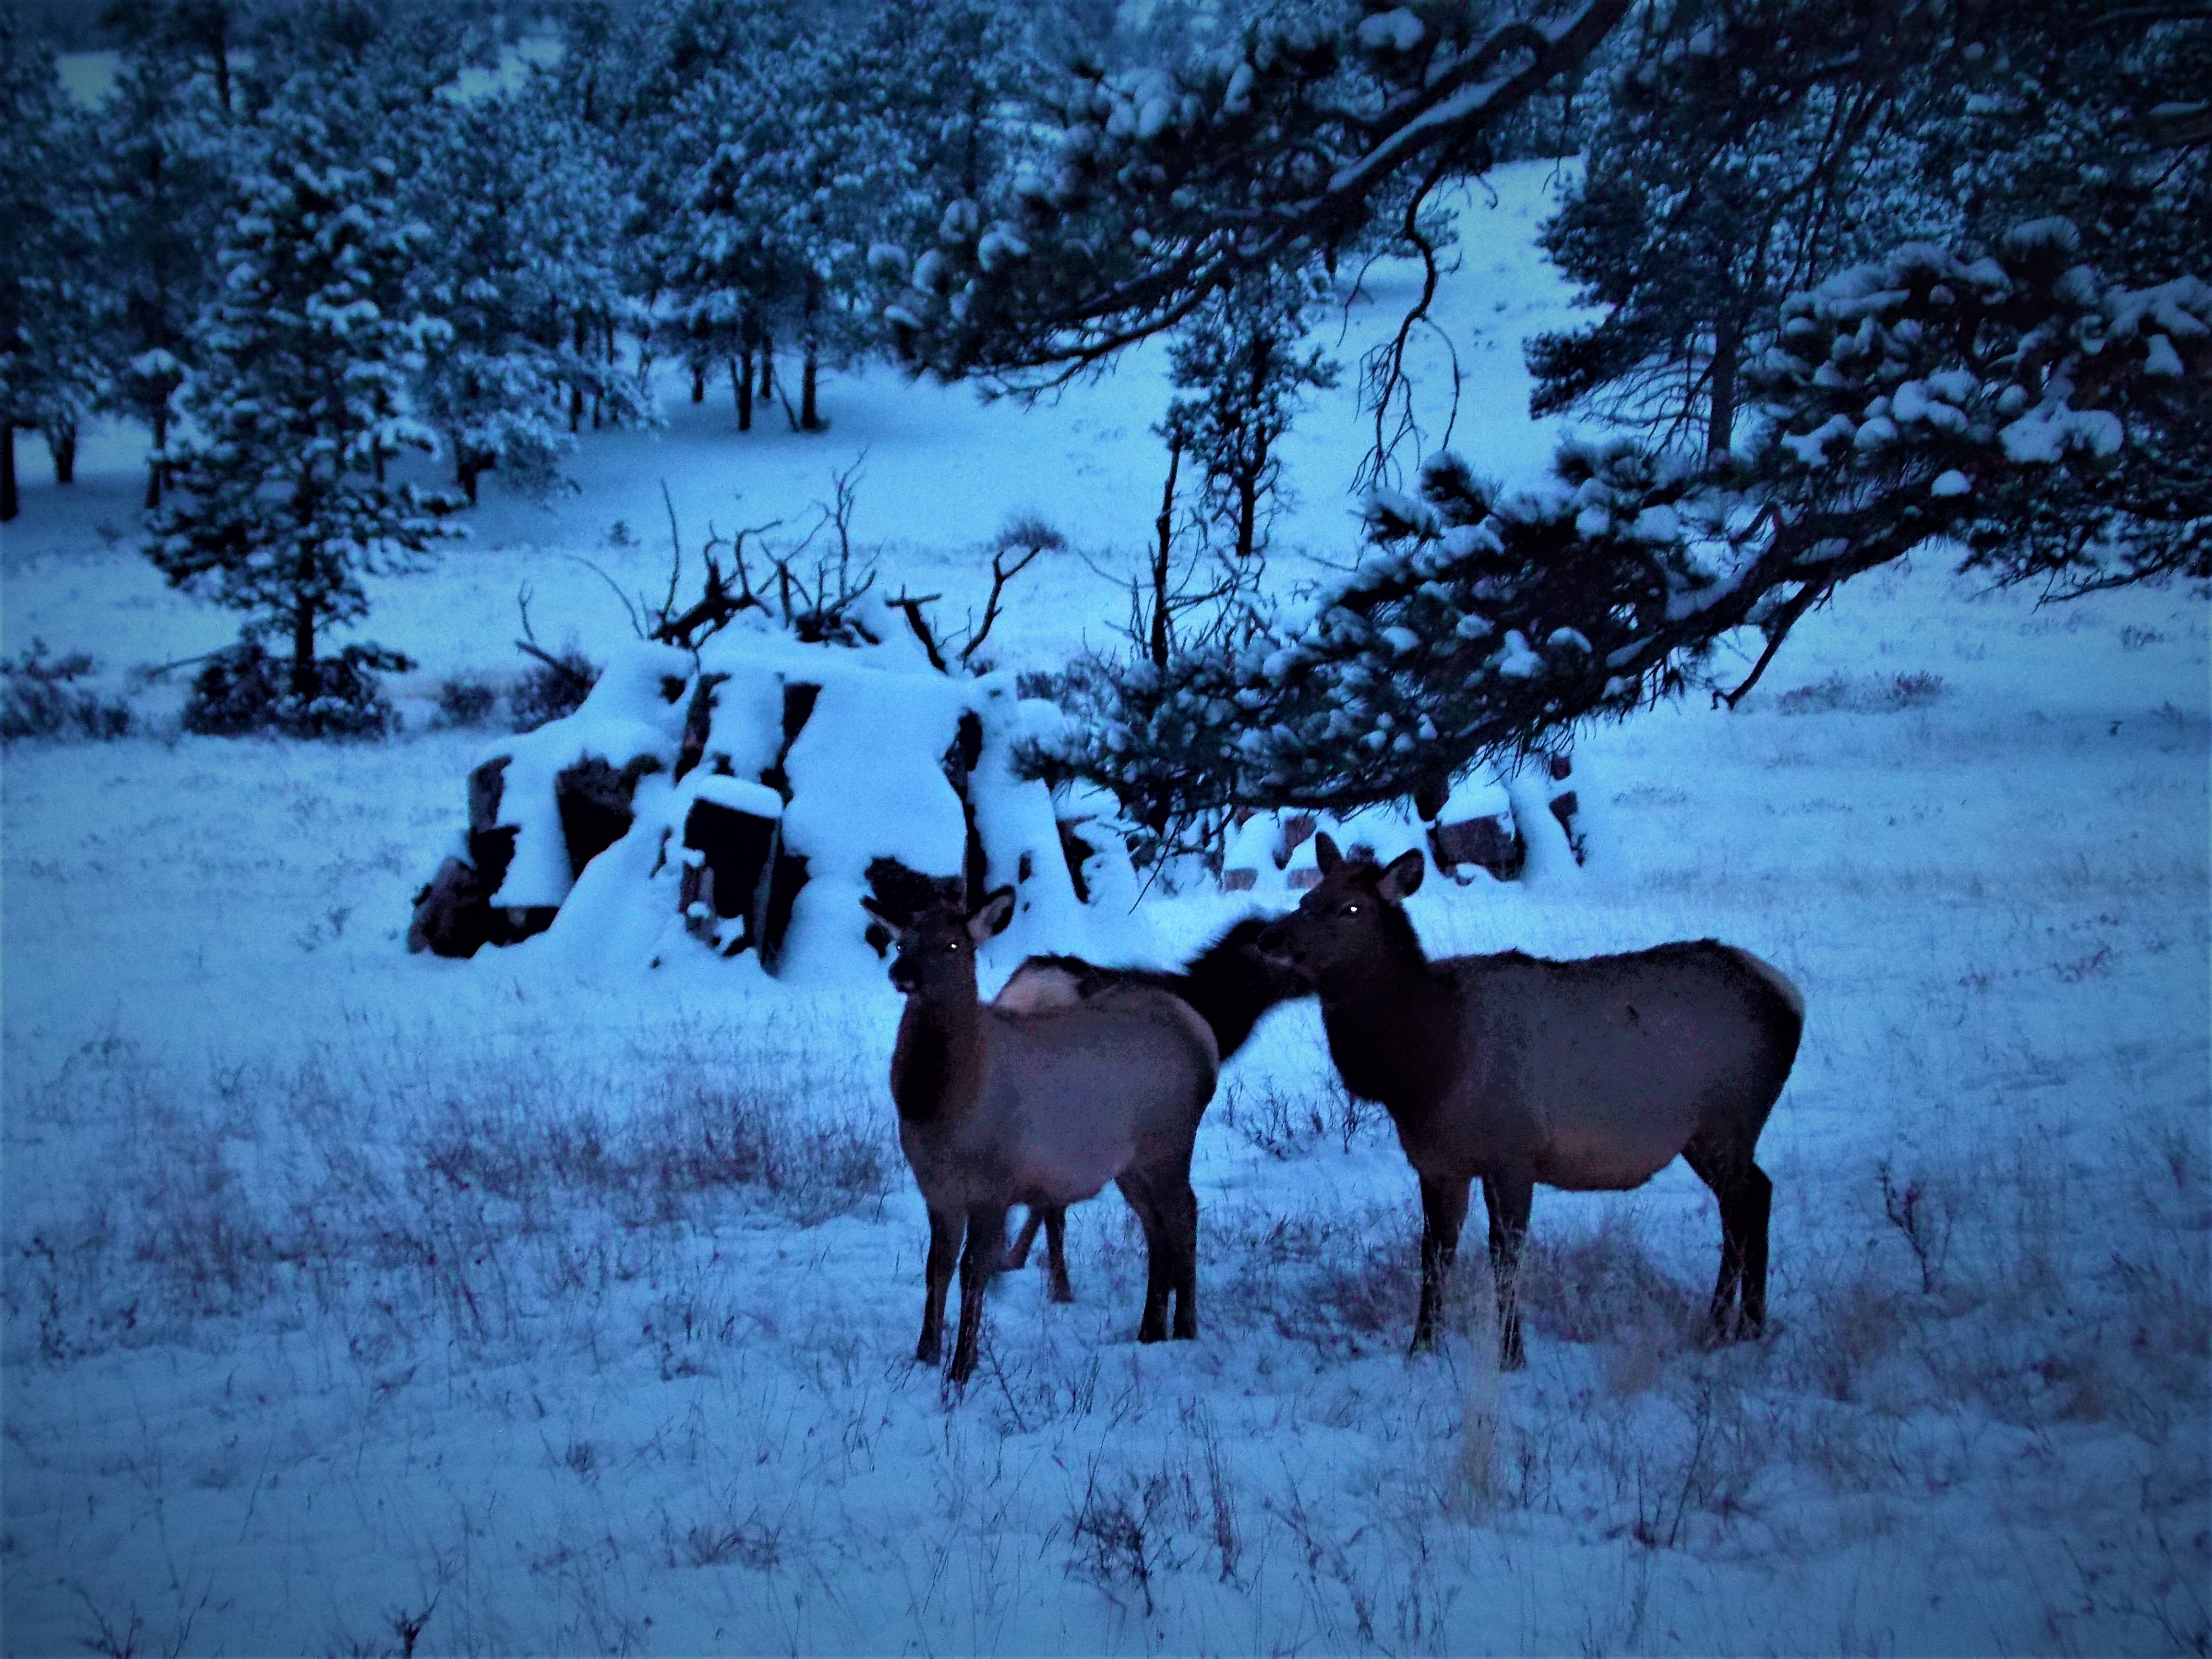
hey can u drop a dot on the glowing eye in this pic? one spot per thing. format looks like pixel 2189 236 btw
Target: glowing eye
pixel 1351 909
pixel 952 944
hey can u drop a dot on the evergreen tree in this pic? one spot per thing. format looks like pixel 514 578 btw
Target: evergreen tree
pixel 160 189
pixel 1240 368
pixel 522 265
pixel 191 38
pixel 1126 197
pixel 1717 186
pixel 2016 402
pixel 49 352
pixel 300 399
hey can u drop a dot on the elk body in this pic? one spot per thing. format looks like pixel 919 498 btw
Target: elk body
pixel 1589 1075
pixel 1229 985
pixel 998 1108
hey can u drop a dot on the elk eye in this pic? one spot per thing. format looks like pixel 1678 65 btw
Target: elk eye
pixel 1351 909
pixel 952 944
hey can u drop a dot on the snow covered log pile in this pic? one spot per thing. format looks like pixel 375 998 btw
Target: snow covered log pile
pixel 1493 822
pixel 748 797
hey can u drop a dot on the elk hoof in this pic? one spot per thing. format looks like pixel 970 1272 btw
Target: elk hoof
pixel 1062 1291
pixel 930 1351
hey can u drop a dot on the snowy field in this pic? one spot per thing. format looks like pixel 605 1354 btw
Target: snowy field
pixel 358 1302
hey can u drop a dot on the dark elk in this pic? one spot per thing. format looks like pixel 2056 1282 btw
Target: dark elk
pixel 997 1109
pixel 1228 984
pixel 1588 1076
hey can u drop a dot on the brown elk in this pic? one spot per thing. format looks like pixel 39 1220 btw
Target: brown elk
pixel 1228 984
pixel 1588 1075
pixel 997 1109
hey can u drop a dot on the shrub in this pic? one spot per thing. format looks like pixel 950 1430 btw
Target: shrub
pixel 556 686
pixel 1876 694
pixel 465 700
pixel 244 689
pixel 39 699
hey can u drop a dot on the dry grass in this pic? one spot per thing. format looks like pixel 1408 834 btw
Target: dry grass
pixel 472 1202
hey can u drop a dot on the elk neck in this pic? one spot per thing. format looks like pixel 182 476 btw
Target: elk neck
pixel 1395 1027
pixel 1227 988
pixel 935 1060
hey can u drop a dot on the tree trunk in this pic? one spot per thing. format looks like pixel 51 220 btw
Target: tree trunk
pixel 466 472
pixel 9 505
pixel 698 383
pixel 576 390
pixel 741 388
pixel 61 443
pixel 1157 645
pixel 157 474
pixel 767 366
pixel 810 359
pixel 303 640
pixel 1720 421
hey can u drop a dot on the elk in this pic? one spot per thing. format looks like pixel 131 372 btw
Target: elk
pixel 998 1108
pixel 1228 984
pixel 1588 1075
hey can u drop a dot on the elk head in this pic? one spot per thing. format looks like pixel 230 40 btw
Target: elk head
pixel 1349 927
pixel 937 948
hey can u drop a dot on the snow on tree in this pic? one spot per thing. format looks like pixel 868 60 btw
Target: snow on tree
pixel 50 374
pixel 1748 150
pixel 522 267
pixel 1239 367
pixel 2051 420
pixel 1133 195
pixel 159 188
pixel 302 397
pixel 1713 188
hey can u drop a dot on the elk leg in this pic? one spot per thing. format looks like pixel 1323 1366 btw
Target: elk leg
pixel 1745 1196
pixel 937 1278
pixel 1017 1254
pixel 1158 1277
pixel 1443 1212
pixel 979 1262
pixel 1507 1197
pixel 1179 1224
pixel 1757 1203
pixel 1055 1252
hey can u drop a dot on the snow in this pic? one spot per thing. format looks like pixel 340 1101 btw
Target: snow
pixel 551 1294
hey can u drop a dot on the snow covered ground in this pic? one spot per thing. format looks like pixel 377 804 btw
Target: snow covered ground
pixel 350 1293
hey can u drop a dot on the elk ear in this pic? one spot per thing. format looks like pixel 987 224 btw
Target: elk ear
pixel 1326 857
pixel 992 915
pixel 1402 876
pixel 897 929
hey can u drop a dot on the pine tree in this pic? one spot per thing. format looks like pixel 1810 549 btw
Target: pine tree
pixel 300 399
pixel 160 188
pixel 522 265
pixel 1715 187
pixel 50 370
pixel 1240 368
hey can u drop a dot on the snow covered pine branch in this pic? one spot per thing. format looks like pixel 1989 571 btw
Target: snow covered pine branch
pixel 1987 402
pixel 1153 190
